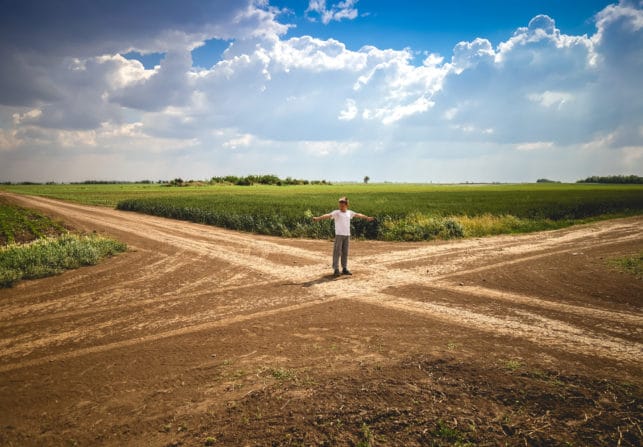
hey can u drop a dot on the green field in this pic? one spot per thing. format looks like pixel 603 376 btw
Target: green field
pixel 22 225
pixel 403 211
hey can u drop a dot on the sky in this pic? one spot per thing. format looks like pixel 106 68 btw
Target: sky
pixel 404 91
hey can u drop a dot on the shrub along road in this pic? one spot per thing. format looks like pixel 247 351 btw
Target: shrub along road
pixel 200 335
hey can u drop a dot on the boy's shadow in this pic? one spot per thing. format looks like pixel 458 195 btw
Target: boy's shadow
pixel 323 279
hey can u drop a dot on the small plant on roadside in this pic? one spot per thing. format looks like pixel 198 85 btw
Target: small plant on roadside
pixel 210 441
pixel 513 364
pixel 629 264
pixel 283 374
pixel 367 437
pixel 453 436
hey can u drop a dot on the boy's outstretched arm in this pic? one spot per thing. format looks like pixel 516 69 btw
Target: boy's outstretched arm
pixel 325 216
pixel 364 216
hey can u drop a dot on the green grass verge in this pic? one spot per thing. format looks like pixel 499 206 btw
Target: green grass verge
pixel 50 256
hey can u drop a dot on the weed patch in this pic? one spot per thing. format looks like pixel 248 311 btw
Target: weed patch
pixel 50 256
pixel 452 436
pixel 629 264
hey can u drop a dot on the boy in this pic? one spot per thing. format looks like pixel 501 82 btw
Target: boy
pixel 342 218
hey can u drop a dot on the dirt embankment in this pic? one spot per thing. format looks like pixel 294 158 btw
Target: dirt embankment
pixel 200 335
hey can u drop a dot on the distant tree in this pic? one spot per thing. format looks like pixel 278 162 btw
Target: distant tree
pixel 546 180
pixel 243 181
pixel 177 182
pixel 366 179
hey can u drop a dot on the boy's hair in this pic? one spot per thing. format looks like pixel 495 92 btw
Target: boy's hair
pixel 343 199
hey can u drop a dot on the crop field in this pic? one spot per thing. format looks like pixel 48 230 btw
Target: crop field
pixel 22 225
pixel 403 212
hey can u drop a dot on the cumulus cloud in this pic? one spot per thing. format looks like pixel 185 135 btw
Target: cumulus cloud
pixel 467 55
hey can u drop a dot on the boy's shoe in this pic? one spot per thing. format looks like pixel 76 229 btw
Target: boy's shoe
pixel 336 273
pixel 346 272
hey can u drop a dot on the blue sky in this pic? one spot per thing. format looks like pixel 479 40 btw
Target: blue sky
pixel 508 91
pixel 437 26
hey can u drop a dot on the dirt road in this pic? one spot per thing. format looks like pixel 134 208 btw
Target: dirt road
pixel 199 335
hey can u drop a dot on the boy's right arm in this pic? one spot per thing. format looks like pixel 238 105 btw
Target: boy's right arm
pixel 325 216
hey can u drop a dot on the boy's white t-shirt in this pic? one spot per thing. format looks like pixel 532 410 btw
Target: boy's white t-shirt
pixel 342 222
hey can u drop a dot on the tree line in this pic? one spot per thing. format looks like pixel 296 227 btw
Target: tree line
pixel 620 179
pixel 264 180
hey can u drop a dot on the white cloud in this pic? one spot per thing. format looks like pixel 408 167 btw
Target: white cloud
pixel 124 72
pixel 336 12
pixel 549 98
pixel 32 114
pixel 469 54
pixel 349 112
pixel 535 146
pixel 308 53
pixel 393 113
pixel 241 141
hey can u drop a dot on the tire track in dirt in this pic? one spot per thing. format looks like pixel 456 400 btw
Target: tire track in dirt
pixel 159 336
pixel 288 278
pixel 536 328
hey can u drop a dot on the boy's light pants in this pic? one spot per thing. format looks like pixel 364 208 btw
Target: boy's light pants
pixel 340 249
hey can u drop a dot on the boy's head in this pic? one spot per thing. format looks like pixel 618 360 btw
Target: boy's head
pixel 343 203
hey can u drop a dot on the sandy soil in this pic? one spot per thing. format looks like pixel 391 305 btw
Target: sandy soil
pixel 203 336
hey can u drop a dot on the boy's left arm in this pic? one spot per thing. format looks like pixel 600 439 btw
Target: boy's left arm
pixel 364 216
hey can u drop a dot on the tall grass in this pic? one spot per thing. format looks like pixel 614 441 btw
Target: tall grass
pixel 50 256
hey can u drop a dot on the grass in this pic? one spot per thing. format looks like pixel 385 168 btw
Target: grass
pixel 513 365
pixel 629 264
pixel 451 436
pixel 283 374
pixel 367 437
pixel 50 256
pixel 404 212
